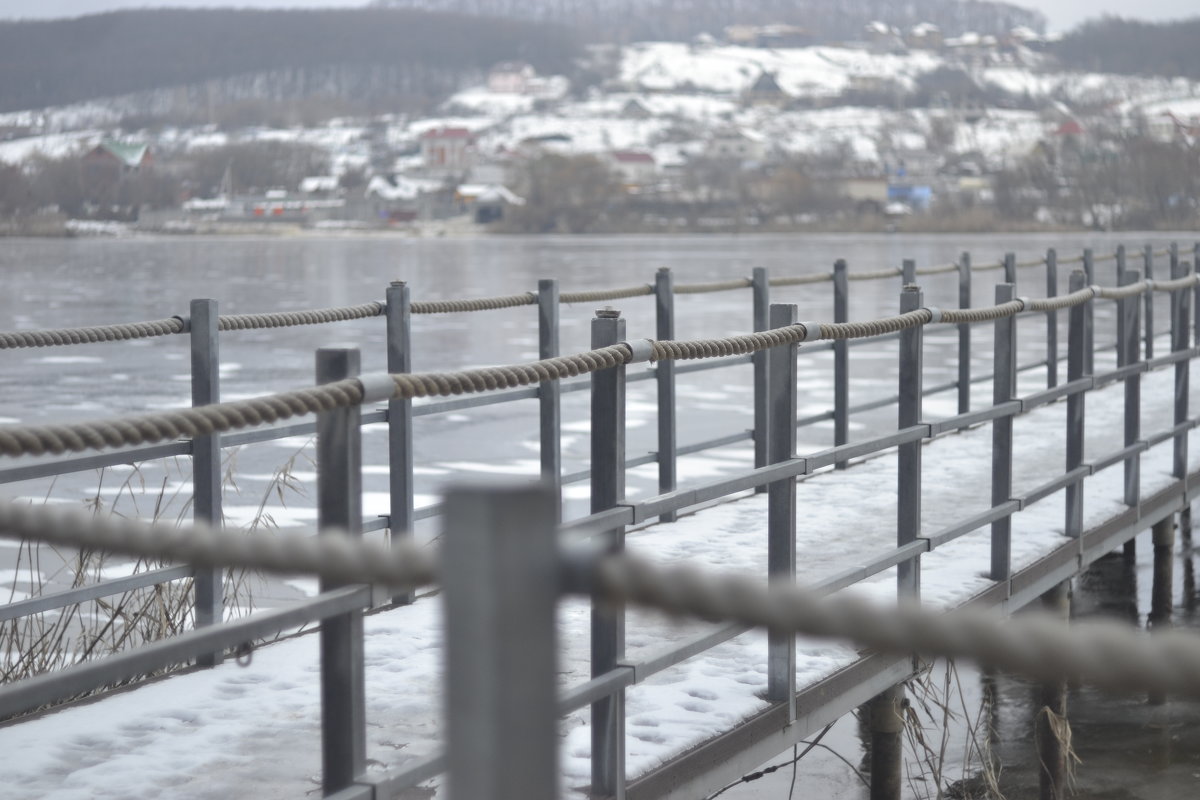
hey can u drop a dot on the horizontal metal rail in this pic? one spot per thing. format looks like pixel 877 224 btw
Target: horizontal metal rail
pixel 30 694
pixel 58 600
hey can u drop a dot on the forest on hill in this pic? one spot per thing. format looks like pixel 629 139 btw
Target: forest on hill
pixel 353 53
pixel 678 20
pixel 1130 47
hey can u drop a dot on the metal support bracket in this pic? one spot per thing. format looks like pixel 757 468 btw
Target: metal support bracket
pixel 640 350
pixel 812 331
pixel 377 387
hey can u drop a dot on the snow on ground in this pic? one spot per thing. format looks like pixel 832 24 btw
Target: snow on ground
pixel 254 730
pixel 801 72
pixel 53 145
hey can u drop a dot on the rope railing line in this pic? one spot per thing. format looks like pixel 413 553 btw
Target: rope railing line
pixel 287 319
pixel 89 335
pixel 601 295
pixel 480 304
pixel 1108 654
pixel 874 275
pixel 938 270
pixel 1033 262
pixel 987 266
pixel 800 280
pixel 1104 257
pixel 1070 260
pixel 335 557
pixel 18 440
pixel 716 286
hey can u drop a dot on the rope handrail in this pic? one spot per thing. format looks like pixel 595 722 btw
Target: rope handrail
pixel 19 440
pixel 88 335
pixel 938 270
pixel 1107 654
pixel 601 295
pixel 800 280
pixel 715 286
pixel 479 304
pixel 286 319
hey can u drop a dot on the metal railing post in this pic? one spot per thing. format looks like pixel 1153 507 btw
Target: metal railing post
pixel 339 513
pixel 781 505
pixel 908 272
pixel 550 392
pixel 908 455
pixel 608 619
pixel 500 581
pixel 1051 320
pixel 401 489
pixel 964 335
pixel 1180 310
pixel 1004 386
pixel 1128 353
pixel 1119 259
pixel 1148 302
pixel 1010 268
pixel 761 287
pixel 664 371
pixel 1076 405
pixel 1089 317
pixel 841 358
pixel 207 582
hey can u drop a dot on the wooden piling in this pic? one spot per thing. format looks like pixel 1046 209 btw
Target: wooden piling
pixel 1161 598
pixel 887 724
pixel 1051 720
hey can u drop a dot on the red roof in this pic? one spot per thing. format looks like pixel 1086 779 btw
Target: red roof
pixel 1070 128
pixel 632 157
pixel 447 133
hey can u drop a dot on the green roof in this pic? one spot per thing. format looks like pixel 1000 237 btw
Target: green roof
pixel 131 153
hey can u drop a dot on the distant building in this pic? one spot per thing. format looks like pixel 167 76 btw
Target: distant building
pixel 115 159
pixel 511 77
pixel 737 144
pixel 635 167
pixel 486 202
pixel 924 36
pixel 765 92
pixel 447 151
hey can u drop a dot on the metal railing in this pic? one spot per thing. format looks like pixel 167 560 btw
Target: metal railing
pixel 777 466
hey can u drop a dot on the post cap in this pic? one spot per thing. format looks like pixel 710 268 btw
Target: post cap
pixel 398 283
pixel 608 312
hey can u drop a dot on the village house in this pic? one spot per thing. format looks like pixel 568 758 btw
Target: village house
pixel 447 151
pixel 635 167
pixel 511 77
pixel 736 144
pixel 924 36
pixel 765 92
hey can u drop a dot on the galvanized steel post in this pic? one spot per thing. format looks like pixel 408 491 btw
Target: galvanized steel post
pixel 761 287
pixel 1051 320
pixel 1128 354
pixel 664 371
pixel 401 488
pixel 1010 268
pixel 781 505
pixel 1004 387
pixel 608 619
pixel 1089 317
pixel 339 513
pixel 1076 370
pixel 206 462
pixel 908 272
pixel 1180 310
pixel 550 392
pixel 964 335
pixel 908 455
pixel 1148 311
pixel 841 359
pixel 500 580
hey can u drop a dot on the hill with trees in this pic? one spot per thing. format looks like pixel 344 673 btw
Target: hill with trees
pixel 1130 47
pixel 375 53
pixel 677 20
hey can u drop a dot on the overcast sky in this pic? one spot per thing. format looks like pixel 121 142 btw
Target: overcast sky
pixel 1063 14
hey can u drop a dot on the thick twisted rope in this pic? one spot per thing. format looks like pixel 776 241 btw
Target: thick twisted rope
pixel 99 333
pixel 944 268
pixel 874 275
pixel 800 280
pixel 287 319
pixel 717 286
pixel 1033 262
pixel 329 555
pixel 16 440
pixel 1062 301
pixel 601 295
pixel 481 304
pixel 1105 654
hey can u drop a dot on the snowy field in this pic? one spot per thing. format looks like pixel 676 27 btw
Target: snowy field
pixel 254 730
